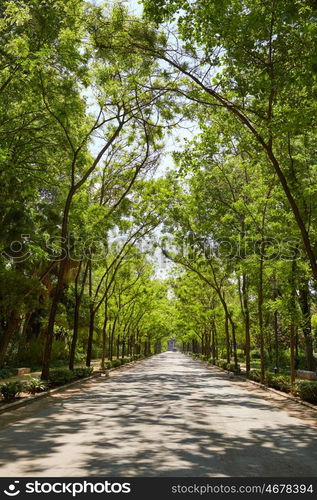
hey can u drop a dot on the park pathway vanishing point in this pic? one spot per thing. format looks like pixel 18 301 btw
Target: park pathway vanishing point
pixel 166 416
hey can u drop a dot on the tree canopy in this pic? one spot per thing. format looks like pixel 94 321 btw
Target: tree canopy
pixel 91 98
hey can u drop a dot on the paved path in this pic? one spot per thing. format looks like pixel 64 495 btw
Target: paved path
pixel 166 416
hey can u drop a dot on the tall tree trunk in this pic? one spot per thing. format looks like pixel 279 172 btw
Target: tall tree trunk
pixel 104 336
pixel 91 334
pixel 260 311
pixel 78 298
pixel 51 322
pixel 213 340
pixel 64 249
pixel 246 321
pixel 293 316
pixel 292 357
pixel 75 335
pixel 304 297
pixel 118 347
pixel 276 342
pixel 13 323
pixel 91 318
pixel 112 338
pixel 227 336
pixel 234 343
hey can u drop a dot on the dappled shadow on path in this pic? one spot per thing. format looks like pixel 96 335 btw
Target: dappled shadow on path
pixel 168 416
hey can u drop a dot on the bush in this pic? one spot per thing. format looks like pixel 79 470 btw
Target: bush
pixel 279 382
pixel 307 391
pixel 223 364
pixel 35 385
pixel 115 363
pixel 137 356
pixel 11 390
pixel 60 377
pixel 255 354
pixel 231 367
pixel 126 360
pixel 255 375
pixel 5 373
pixel 203 357
pixel 82 372
pixel 240 354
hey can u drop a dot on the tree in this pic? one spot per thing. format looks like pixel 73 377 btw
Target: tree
pixel 254 65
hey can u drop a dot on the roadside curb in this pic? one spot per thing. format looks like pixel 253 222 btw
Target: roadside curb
pixel 258 384
pixel 31 399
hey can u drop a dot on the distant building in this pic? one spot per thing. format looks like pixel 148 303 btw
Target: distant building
pixel 171 345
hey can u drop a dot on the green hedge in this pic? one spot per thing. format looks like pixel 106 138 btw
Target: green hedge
pixel 82 372
pixel 11 390
pixel 307 391
pixel 5 373
pixel 203 357
pixel 279 382
pixel 222 363
pixel 255 375
pixel 126 360
pixel 135 357
pixel 62 376
pixel 115 363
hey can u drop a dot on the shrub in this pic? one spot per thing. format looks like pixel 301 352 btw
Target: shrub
pixel 35 385
pixel 223 364
pixel 255 375
pixel 126 360
pixel 108 365
pixel 138 356
pixel 279 382
pixel 11 390
pixel 5 373
pixel 231 367
pixel 307 391
pixel 255 354
pixel 240 354
pixel 82 371
pixel 115 363
pixel 59 377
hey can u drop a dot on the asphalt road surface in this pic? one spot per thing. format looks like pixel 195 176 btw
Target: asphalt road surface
pixel 166 416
